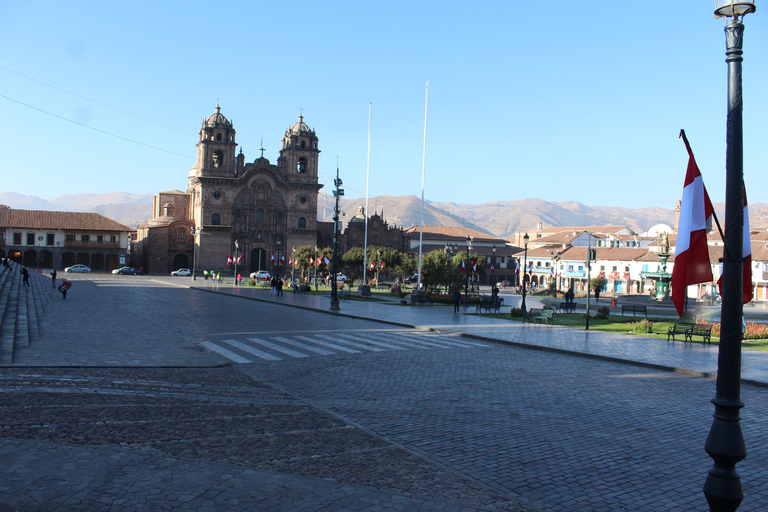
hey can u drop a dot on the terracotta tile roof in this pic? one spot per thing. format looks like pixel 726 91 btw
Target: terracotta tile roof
pixel 451 232
pixel 486 251
pixel 592 229
pixel 73 221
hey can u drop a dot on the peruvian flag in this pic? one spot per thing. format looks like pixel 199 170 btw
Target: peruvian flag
pixel 239 259
pixel 462 267
pixel 530 267
pixel 272 259
pixel 517 268
pixel 746 271
pixel 229 260
pixel 311 261
pixel 290 262
pixel 373 265
pixel 691 255
pixel 474 267
pixel 282 260
pixel 492 268
pixel 381 265
pixel 327 261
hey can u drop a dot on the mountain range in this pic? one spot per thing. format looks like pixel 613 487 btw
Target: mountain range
pixel 498 218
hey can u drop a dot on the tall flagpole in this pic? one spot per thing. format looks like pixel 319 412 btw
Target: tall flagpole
pixel 423 166
pixel 365 213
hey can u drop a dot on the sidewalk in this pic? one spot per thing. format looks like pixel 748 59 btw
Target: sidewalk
pixel 694 358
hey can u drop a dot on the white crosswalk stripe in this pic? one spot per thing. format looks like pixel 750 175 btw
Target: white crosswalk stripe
pixel 280 348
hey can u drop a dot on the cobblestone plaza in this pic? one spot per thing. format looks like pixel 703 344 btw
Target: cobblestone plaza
pixel 144 394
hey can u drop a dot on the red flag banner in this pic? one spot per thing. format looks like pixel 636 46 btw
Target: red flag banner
pixel 272 260
pixel 282 260
pixel 382 265
pixel 692 264
pixel 492 268
pixel 229 260
pixel 462 267
pixel 746 271
pixel 474 267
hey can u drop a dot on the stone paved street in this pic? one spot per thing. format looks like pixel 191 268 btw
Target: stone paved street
pixel 133 400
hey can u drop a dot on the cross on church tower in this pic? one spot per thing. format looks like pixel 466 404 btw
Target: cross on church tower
pixel 262 147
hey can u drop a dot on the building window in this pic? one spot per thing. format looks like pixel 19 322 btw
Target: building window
pixel 216 219
pixel 113 238
pixel 279 216
pixel 218 137
pixel 85 238
pixel 260 215
pixel 49 239
pixel 181 233
pixel 302 223
pixel 30 239
pixel 302 167
pixel 99 238
pixel 238 213
pixel 70 238
pixel 302 144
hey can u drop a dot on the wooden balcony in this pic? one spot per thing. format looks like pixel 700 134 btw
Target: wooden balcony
pixel 79 244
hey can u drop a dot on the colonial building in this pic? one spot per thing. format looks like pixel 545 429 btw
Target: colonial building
pixel 257 210
pixel 54 240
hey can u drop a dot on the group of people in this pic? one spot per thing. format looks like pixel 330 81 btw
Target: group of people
pixel 215 276
pixel 277 286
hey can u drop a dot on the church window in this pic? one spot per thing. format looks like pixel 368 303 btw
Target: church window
pixel 279 216
pixel 217 159
pixel 216 194
pixel 302 223
pixel 302 144
pixel 302 164
pixel 238 213
pixel 181 233
pixel 216 219
pixel 303 199
pixel 218 137
pixel 260 215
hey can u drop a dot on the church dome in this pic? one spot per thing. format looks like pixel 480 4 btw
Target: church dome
pixel 300 128
pixel 217 119
pixel 360 217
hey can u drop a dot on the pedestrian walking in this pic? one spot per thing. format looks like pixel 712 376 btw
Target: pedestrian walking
pixel 63 287
pixel 273 284
pixel 456 300
pixel 53 277
pixel 25 277
pixel 218 277
pixel 239 277
pixel 205 275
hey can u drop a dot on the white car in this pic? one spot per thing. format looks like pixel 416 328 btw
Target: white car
pixel 182 272
pixel 261 275
pixel 341 277
pixel 78 268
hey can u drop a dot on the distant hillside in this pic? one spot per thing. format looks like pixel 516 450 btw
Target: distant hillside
pixel 498 218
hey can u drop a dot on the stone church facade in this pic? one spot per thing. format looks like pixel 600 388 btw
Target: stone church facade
pixel 258 210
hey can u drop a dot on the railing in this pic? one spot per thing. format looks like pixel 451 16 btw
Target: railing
pixel 92 245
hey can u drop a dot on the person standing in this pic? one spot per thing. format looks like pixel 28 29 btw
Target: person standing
pixel 25 276
pixel 273 284
pixel 53 277
pixel 280 287
pixel 456 300
pixel 239 277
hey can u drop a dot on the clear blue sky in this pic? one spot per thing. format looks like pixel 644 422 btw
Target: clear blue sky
pixel 574 102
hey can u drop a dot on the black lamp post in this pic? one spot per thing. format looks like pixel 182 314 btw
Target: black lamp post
pixel 338 192
pixel 493 266
pixel 278 259
pixel 293 265
pixel 237 248
pixel 725 443
pixel 194 251
pixel 466 273
pixel 525 269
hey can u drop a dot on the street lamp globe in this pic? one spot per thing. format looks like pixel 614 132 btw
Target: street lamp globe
pixel 731 9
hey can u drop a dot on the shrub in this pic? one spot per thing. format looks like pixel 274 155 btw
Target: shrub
pixel 603 312
pixel 643 326
pixel 516 312
pixel 753 331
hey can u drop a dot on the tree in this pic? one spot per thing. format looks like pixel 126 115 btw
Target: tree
pixel 352 262
pixel 598 283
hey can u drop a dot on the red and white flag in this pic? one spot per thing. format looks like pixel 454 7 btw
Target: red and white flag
pixel 239 259
pixel 381 265
pixel 530 267
pixel 327 261
pixel 273 259
pixel 311 261
pixel 290 262
pixel 692 264
pixel 462 267
pixel 373 265
pixel 746 271
pixel 492 268
pixel 282 260
pixel 474 267
pixel 229 260
pixel 517 268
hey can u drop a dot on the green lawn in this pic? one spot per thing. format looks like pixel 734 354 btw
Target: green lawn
pixel 624 325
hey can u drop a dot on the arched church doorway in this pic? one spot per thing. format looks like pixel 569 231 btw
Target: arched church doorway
pixel 180 261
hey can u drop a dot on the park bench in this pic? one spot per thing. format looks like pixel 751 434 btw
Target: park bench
pixel 539 315
pixel 625 308
pixel 420 300
pixel 344 294
pixel 489 304
pixel 703 330
pixel 689 330
pixel 566 307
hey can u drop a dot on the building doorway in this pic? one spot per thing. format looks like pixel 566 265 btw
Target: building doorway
pixel 258 260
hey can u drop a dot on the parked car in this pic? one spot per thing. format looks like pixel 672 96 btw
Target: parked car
pixel 414 278
pixel 716 299
pixel 341 277
pixel 78 268
pixel 261 275
pixel 503 284
pixel 130 271
pixel 182 272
